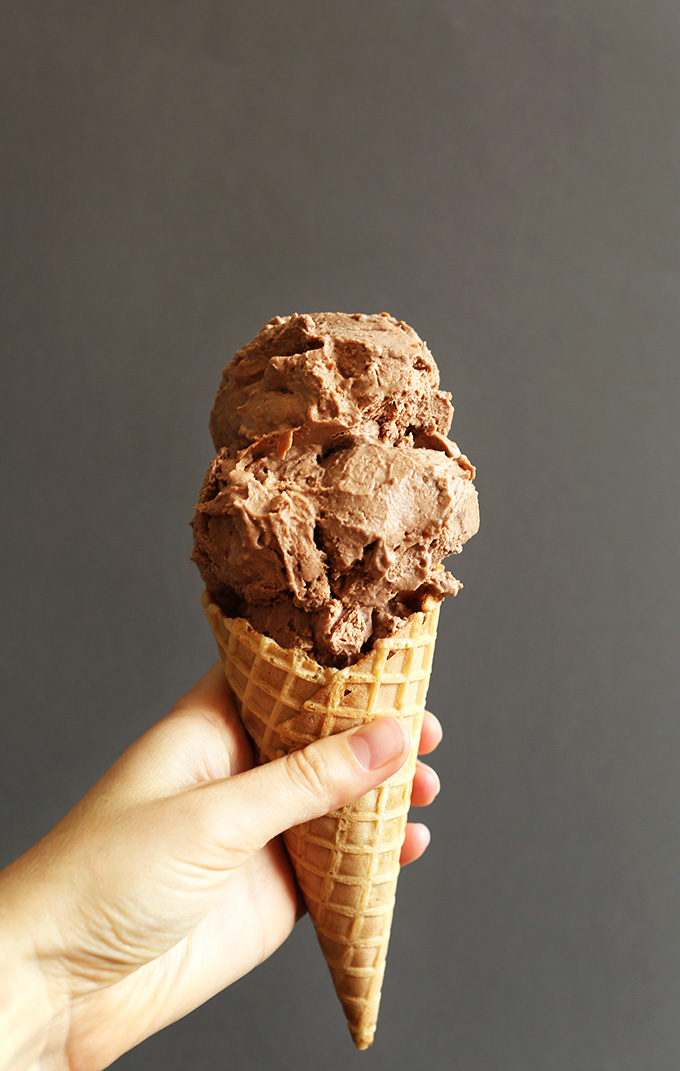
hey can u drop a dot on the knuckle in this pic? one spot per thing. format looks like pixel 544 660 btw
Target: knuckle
pixel 309 770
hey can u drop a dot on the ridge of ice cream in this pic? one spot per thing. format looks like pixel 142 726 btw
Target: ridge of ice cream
pixel 335 493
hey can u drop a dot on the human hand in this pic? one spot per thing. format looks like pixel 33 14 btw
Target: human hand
pixel 168 881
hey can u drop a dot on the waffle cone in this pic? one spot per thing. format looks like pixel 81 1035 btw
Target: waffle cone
pixel 346 863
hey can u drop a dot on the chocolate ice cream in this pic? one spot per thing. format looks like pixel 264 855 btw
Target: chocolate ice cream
pixel 330 366
pixel 335 494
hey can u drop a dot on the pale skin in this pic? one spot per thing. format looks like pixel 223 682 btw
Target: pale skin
pixel 168 881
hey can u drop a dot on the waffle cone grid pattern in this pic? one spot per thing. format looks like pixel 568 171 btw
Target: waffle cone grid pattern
pixel 346 863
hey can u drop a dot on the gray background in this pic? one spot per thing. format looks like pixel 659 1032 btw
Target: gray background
pixel 505 177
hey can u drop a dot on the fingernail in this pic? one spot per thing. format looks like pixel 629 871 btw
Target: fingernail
pixel 378 742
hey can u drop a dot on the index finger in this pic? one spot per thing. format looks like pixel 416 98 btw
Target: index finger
pixel 431 734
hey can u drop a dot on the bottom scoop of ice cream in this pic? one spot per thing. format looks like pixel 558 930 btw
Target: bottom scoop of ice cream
pixel 323 539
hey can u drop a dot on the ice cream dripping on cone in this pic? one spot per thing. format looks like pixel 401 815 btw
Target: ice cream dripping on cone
pixel 320 531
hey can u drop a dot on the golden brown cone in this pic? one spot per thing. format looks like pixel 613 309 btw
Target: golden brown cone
pixel 346 863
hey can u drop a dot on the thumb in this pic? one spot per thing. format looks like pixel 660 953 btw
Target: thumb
pixel 253 807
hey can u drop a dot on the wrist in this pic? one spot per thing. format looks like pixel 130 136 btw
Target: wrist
pixel 33 1014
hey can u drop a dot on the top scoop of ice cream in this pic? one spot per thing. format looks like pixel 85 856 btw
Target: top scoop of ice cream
pixel 335 493
pixel 356 369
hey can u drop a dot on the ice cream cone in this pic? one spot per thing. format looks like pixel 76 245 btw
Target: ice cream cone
pixel 346 863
